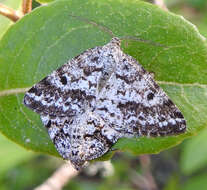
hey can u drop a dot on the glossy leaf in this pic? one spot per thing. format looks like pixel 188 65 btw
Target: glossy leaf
pixel 45 39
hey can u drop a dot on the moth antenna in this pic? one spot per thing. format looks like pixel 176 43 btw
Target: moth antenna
pixel 150 42
pixel 100 26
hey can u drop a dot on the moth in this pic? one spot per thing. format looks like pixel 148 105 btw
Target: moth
pixel 99 97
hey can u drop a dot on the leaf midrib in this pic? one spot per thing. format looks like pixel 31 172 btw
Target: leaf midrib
pixel 14 91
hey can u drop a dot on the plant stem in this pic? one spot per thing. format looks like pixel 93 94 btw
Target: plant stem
pixel 60 178
pixel 10 13
pixel 26 6
pixel 145 164
pixel 146 180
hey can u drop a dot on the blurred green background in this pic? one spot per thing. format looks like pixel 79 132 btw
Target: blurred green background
pixel 182 167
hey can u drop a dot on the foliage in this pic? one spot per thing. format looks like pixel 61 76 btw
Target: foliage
pixel 11 154
pixel 194 154
pixel 43 40
pixel 50 35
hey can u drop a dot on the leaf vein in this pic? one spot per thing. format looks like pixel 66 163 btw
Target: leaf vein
pixel 23 45
pixel 53 44
pixel 187 100
pixel 25 115
pixel 183 84
pixel 13 91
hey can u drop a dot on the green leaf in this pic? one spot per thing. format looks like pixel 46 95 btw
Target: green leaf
pixel 194 153
pixel 173 183
pixel 199 4
pixel 11 154
pixel 198 182
pixel 45 39
pixel 5 23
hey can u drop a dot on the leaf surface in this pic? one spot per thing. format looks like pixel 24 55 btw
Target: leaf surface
pixel 167 45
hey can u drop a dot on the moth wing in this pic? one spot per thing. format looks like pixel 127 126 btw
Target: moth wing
pixel 133 104
pixel 97 98
pixel 65 100
pixel 78 139
pixel 73 88
pixel 63 92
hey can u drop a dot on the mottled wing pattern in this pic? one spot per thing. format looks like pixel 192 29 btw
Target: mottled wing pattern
pixel 78 139
pixel 134 105
pixel 97 98
pixel 66 100
pixel 66 92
